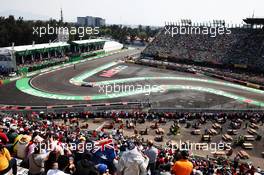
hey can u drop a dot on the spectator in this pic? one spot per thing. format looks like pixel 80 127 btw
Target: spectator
pixel 183 166
pixel 3 136
pixel 132 162
pixel 71 167
pixel 6 161
pixel 58 168
pixel 51 161
pixel 34 142
pixel 85 165
pixel 12 133
pixel 165 169
pixel 55 170
pixel 152 154
pixel 21 146
pixel 36 162
pixel 103 170
pixel 236 161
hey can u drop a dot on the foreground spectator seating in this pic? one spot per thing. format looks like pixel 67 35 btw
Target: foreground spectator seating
pixel 54 144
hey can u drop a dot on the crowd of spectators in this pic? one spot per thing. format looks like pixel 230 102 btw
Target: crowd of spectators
pixel 46 147
pixel 43 61
pixel 32 64
pixel 243 47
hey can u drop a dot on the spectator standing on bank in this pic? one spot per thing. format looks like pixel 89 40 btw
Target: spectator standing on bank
pixel 152 154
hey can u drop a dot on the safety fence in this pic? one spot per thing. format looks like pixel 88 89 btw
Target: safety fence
pixel 75 107
pixel 244 83
pixel 208 110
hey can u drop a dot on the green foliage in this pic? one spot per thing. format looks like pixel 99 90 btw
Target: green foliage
pixel 239 141
pixel 20 32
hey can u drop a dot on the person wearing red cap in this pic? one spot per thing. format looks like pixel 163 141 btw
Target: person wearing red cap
pixel 3 136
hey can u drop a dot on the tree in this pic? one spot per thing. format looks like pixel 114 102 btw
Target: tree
pixel 21 32
pixel 142 36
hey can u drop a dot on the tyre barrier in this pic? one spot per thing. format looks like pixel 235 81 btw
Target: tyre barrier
pixel 162 65
pixel 158 64
pixel 244 83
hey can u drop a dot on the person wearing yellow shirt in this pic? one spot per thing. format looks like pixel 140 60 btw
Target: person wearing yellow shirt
pixel 183 166
pixel 6 161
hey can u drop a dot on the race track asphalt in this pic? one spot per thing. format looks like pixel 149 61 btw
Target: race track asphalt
pixel 58 82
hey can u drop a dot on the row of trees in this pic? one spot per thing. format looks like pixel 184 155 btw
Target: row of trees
pixel 21 32
pixel 121 33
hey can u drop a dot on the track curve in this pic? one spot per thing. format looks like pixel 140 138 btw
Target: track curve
pixel 172 83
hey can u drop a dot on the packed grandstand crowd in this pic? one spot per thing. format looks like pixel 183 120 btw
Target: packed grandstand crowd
pixel 39 61
pixel 42 63
pixel 244 47
pixel 46 146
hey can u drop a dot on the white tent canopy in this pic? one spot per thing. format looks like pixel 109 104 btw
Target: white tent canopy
pixel 88 41
pixel 112 45
pixel 37 46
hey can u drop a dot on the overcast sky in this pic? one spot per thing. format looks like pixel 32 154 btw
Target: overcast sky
pixel 145 12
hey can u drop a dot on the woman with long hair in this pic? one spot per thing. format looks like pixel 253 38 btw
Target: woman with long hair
pixel 52 158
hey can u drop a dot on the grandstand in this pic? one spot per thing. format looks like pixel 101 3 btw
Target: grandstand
pixel 87 45
pixel 33 57
pixel 243 48
pixel 30 53
pixel 56 132
pixel 59 107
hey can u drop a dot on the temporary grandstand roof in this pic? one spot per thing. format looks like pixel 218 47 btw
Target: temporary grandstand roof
pixel 38 46
pixel 254 21
pixel 89 41
pixel 28 49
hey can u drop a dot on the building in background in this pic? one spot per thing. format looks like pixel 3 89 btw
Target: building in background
pixel 90 21
pixel 81 21
pixel 99 22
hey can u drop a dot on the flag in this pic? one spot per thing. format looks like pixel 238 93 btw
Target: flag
pixel 104 148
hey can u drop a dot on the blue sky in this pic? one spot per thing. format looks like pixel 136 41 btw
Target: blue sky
pixel 146 12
